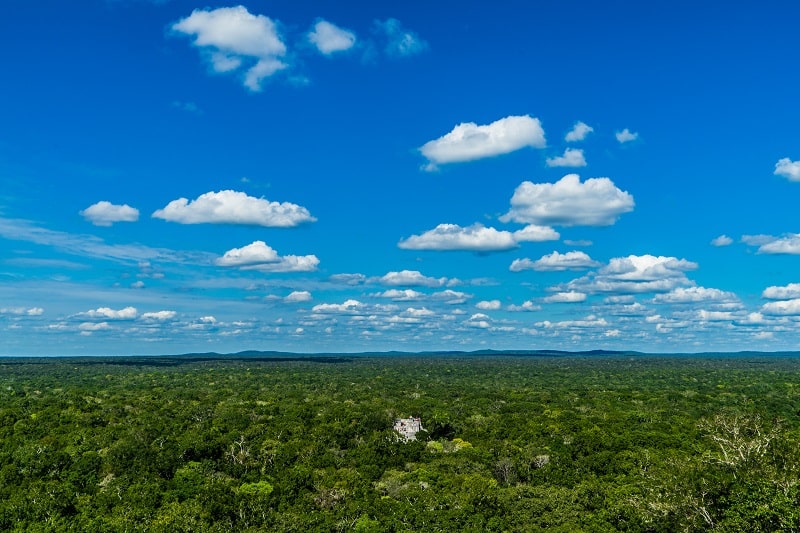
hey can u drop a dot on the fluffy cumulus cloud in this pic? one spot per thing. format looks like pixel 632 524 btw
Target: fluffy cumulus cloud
pixel 329 38
pixel 298 297
pixel 469 141
pixel 555 262
pixel 488 305
pixel 578 132
pixel 535 233
pixel 526 306
pixel 260 256
pixel 626 136
pixel 158 316
pixel 722 240
pixel 451 297
pixel 89 327
pixel 347 307
pixel 646 268
pixel 127 313
pixel 569 297
pixel 767 244
pixel 409 278
pixel 400 41
pixel 233 207
pixel 569 202
pixel 231 37
pixel 401 295
pixel 475 238
pixel 782 307
pixel 573 157
pixel 788 169
pixel 105 213
pixel 636 274
pixel 786 292
pixel 255 253
pixel 681 295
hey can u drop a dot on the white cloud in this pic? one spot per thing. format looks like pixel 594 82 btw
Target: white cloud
pixel 788 169
pixel 646 268
pixel 682 295
pixel 788 244
pixel 722 240
pixel 231 37
pixel 626 135
pixel 31 311
pixel 451 297
pixel 233 207
pixel 569 202
pixel 288 263
pixel 753 319
pixel 260 256
pixel 479 320
pixel 329 38
pixel 526 306
pixel 401 295
pixel 555 262
pixel 88 327
pixel 573 157
pixel 128 313
pixel 105 213
pixel 255 253
pixel 758 240
pixel 534 233
pixel 159 315
pixel 475 238
pixel 570 297
pixel 469 141
pixel 488 305
pixel 782 307
pixel 91 246
pixel 298 297
pixel 348 279
pixel 620 299
pixel 347 307
pixel 636 274
pixel 401 42
pixel 590 321
pixel 787 292
pixel 409 278
pixel 578 132
pixel 714 316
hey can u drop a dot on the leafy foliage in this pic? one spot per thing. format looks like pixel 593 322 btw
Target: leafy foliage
pixel 511 444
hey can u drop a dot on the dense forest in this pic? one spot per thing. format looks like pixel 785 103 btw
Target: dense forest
pixel 568 443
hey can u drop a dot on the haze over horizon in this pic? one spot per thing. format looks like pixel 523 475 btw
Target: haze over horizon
pixel 344 177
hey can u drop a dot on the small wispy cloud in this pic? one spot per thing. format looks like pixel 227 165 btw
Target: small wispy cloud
pixel 788 169
pixel 329 38
pixel 572 157
pixel 578 132
pixel 626 136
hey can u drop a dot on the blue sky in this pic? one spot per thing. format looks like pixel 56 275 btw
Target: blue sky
pixel 316 176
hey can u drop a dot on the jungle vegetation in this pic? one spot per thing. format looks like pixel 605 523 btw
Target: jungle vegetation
pixel 568 443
